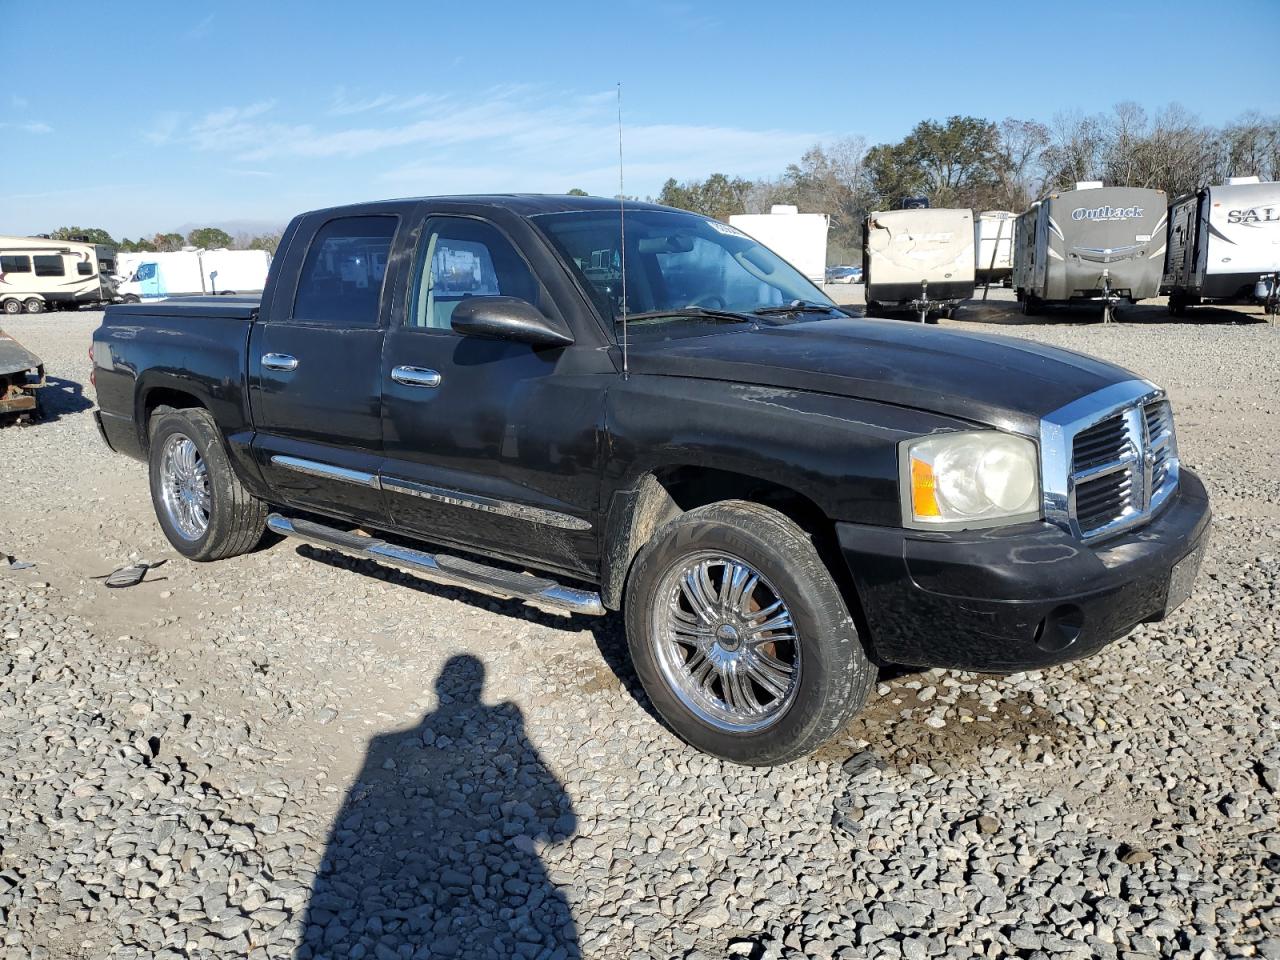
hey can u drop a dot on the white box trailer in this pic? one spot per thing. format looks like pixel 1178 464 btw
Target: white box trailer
pixel 919 260
pixel 1091 244
pixel 194 272
pixel 798 238
pixel 38 274
pixel 993 245
pixel 1224 244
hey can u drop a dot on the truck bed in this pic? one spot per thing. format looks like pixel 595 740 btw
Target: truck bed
pixel 228 307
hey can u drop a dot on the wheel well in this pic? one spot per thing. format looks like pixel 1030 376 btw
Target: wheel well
pixel 161 400
pixel 691 487
pixel 666 493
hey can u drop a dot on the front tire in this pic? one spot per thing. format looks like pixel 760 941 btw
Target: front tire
pixel 33 305
pixel 12 307
pixel 202 507
pixel 741 637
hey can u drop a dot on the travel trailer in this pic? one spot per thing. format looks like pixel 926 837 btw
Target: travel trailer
pixel 1093 244
pixel 919 260
pixel 1224 244
pixel 798 238
pixel 38 274
pixel 993 246
pixel 193 273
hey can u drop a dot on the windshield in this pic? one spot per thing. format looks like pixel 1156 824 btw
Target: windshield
pixel 675 261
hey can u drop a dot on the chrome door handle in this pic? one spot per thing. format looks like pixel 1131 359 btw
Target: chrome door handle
pixel 279 361
pixel 416 377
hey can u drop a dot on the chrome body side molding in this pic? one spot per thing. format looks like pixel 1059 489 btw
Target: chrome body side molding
pixel 456 498
pixel 327 471
pixel 505 508
pixel 494 581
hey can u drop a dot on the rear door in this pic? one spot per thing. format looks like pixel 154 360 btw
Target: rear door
pixel 315 365
pixel 490 444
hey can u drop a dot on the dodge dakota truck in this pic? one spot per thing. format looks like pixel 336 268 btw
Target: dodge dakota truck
pixel 644 410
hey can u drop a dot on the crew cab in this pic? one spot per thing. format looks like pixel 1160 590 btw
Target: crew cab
pixel 503 393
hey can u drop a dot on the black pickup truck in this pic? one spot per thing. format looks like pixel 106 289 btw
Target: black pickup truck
pixel 667 420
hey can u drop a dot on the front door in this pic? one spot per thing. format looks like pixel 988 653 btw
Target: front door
pixel 315 369
pixel 488 443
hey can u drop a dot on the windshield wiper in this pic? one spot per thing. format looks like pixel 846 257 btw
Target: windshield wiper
pixel 795 306
pixel 699 313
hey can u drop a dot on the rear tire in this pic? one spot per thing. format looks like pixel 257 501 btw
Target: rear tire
pixel 817 674
pixel 203 509
pixel 12 307
pixel 33 305
pixel 1031 305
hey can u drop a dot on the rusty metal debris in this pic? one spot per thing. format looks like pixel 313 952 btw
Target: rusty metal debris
pixel 21 375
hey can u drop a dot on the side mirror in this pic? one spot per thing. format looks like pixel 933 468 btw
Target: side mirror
pixel 508 318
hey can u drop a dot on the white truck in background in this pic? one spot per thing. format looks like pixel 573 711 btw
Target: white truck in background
pixel 798 238
pixel 154 276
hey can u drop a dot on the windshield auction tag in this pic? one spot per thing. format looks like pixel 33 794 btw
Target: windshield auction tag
pixel 727 230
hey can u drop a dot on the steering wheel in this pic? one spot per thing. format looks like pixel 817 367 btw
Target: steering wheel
pixel 711 302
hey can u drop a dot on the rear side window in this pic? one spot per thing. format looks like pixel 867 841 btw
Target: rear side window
pixel 15 264
pixel 49 266
pixel 84 269
pixel 341 280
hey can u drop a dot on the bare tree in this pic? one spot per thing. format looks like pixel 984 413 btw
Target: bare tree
pixel 1074 151
pixel 1020 155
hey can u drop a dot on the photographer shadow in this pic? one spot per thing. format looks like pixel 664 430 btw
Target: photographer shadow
pixel 436 846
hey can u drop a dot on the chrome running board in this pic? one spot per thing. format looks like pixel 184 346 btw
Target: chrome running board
pixel 443 569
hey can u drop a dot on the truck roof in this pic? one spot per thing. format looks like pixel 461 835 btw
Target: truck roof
pixel 521 204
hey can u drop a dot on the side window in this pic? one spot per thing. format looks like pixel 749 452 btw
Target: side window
pixel 49 266
pixel 145 271
pixel 460 258
pixel 15 264
pixel 84 269
pixel 341 280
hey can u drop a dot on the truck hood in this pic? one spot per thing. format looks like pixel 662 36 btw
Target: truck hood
pixel 999 381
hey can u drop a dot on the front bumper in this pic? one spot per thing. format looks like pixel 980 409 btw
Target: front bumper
pixel 1023 597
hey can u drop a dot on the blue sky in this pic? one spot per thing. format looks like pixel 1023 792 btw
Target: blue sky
pixel 144 117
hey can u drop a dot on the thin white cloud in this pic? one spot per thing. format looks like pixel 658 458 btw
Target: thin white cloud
pixel 201 28
pixel 344 106
pixel 28 126
pixel 546 140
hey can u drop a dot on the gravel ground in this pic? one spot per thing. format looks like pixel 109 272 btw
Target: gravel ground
pixel 287 754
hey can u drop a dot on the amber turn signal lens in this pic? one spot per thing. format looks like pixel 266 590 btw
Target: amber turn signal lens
pixel 924 501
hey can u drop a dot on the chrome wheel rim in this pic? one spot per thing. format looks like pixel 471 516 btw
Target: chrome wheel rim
pixel 184 487
pixel 725 642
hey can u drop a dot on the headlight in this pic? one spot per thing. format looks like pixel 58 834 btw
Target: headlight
pixel 977 479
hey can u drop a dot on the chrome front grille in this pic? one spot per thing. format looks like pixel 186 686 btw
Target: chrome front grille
pixel 1110 460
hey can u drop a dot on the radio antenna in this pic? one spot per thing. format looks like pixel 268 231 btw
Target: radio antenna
pixel 622 237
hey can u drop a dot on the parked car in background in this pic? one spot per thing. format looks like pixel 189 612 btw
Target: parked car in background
pixel 778 496
pixel 844 274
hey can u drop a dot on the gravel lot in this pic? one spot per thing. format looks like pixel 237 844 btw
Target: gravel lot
pixel 288 754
